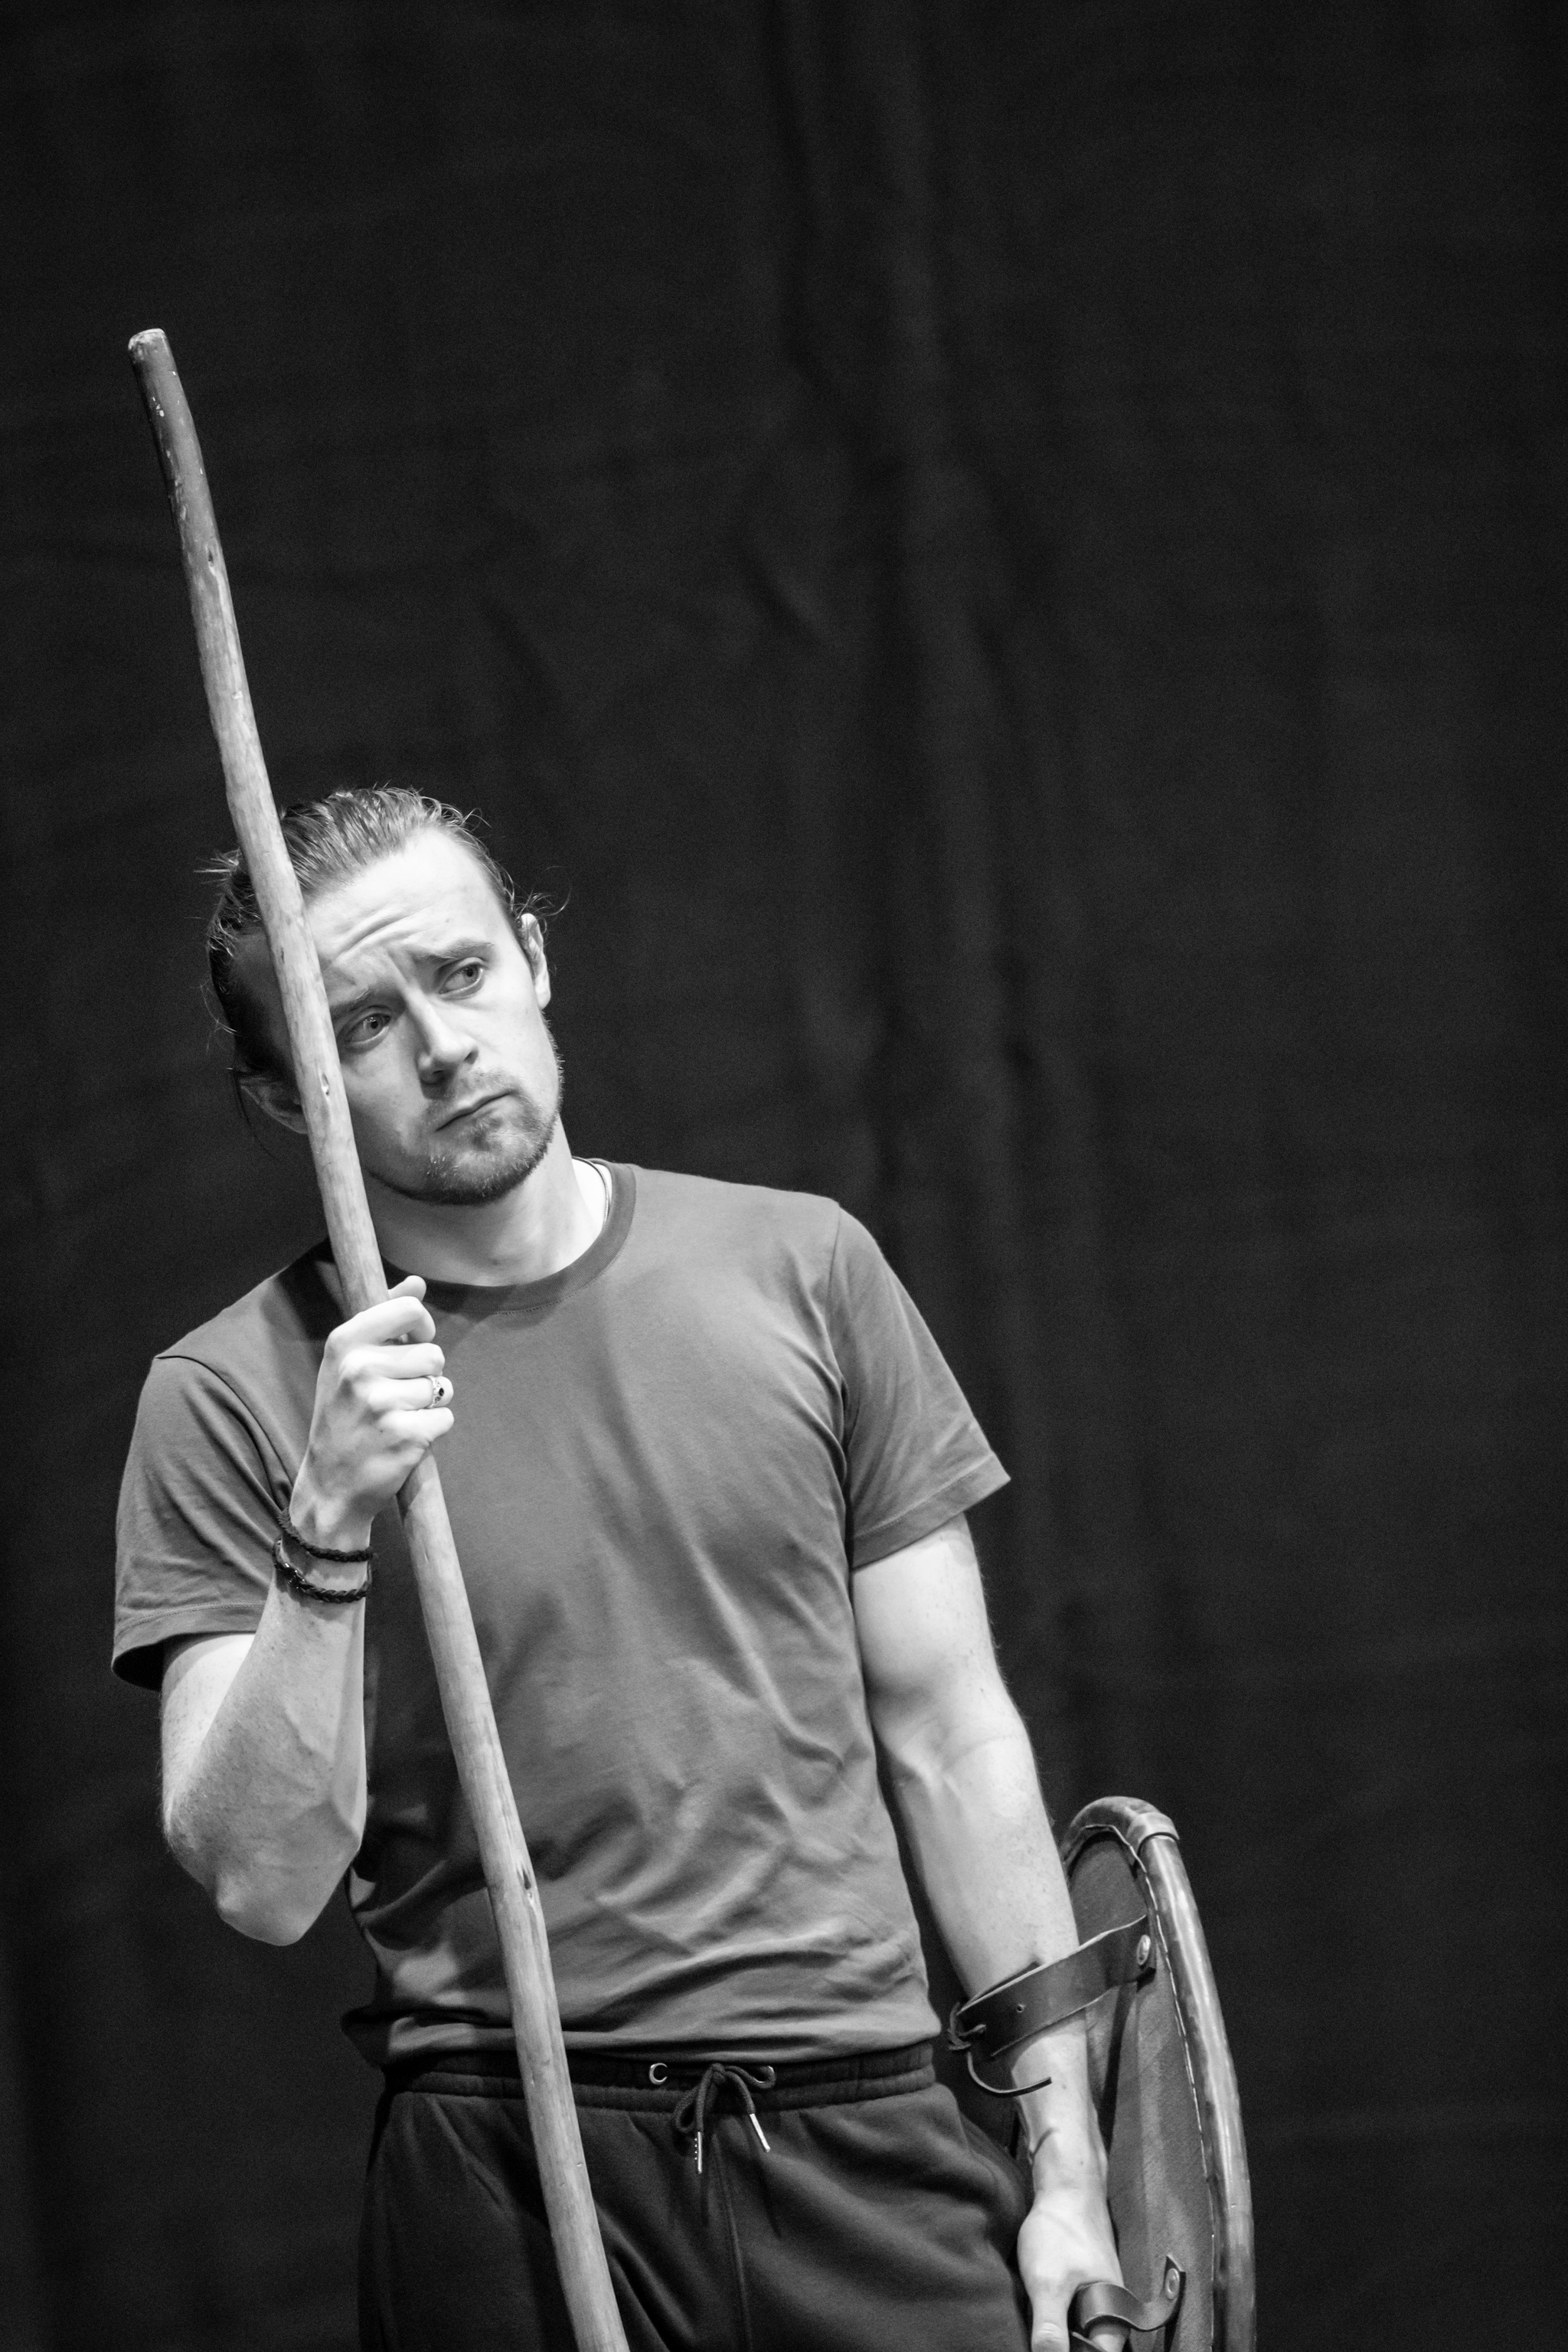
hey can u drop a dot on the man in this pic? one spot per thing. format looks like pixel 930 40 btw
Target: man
pixel 707 1473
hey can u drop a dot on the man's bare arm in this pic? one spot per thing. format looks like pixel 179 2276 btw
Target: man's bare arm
pixel 264 1780
pixel 964 1779
pixel 264 1764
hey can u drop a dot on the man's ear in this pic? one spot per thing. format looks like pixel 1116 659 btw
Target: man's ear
pixel 530 939
pixel 275 1097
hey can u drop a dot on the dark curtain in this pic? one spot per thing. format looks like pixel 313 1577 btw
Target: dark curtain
pixel 1006 562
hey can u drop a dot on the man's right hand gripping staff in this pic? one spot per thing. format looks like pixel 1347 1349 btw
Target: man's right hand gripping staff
pixel 263 1734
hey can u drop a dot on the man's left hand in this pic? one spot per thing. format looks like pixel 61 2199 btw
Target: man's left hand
pixel 1065 2244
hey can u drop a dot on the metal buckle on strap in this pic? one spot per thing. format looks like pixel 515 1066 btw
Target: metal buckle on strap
pixel 996 2021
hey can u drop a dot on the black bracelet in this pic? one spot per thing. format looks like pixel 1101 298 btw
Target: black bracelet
pixel 317 1551
pixel 298 1581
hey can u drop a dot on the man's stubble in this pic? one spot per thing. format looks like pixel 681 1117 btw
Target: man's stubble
pixel 468 1178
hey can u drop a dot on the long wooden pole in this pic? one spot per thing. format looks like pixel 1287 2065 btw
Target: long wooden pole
pixel 459 1670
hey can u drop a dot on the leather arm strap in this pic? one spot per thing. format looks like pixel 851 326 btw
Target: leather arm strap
pixel 1038 1998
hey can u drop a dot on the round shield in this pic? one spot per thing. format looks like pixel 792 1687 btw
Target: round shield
pixel 1160 2072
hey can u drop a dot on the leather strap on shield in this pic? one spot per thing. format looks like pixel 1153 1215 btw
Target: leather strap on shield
pixel 1038 1998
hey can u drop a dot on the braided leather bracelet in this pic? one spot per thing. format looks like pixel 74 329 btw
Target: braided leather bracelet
pixel 298 1581
pixel 317 1551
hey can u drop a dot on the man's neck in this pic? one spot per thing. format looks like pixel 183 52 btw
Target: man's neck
pixel 546 1223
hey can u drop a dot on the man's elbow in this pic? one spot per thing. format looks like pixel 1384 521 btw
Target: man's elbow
pixel 927 1735
pixel 267 1905
pixel 268 1915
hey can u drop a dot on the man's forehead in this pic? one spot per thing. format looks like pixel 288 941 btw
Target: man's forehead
pixel 429 897
pixel 420 898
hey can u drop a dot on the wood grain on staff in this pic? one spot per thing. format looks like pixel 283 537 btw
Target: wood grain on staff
pixel 459 1670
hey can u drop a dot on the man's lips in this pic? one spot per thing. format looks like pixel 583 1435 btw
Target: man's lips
pixel 466 1110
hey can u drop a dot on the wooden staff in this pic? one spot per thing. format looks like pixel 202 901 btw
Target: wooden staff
pixel 459 1670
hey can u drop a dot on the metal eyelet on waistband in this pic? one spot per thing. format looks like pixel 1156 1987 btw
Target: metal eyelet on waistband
pixel 658 2072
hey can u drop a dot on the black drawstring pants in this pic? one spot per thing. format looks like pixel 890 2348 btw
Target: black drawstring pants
pixel 875 2218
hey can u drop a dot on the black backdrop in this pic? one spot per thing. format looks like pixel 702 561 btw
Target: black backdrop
pixel 1008 562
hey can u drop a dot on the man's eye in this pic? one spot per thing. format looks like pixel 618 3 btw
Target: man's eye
pixel 366 1029
pixel 465 976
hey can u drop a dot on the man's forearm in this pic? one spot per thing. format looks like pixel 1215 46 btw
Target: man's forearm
pixel 264 1791
pixel 264 1767
pixel 971 1803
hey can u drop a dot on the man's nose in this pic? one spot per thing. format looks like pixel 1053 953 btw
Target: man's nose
pixel 442 1050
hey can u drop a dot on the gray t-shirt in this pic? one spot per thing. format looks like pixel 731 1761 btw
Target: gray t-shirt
pixel 668 1458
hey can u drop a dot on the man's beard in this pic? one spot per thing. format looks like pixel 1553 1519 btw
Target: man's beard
pixel 464 1179
pixel 448 1178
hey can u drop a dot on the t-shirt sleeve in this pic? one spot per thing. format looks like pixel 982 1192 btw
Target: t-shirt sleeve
pixel 196 1517
pixel 917 1454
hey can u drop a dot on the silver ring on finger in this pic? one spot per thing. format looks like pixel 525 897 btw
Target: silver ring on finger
pixel 440 1391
